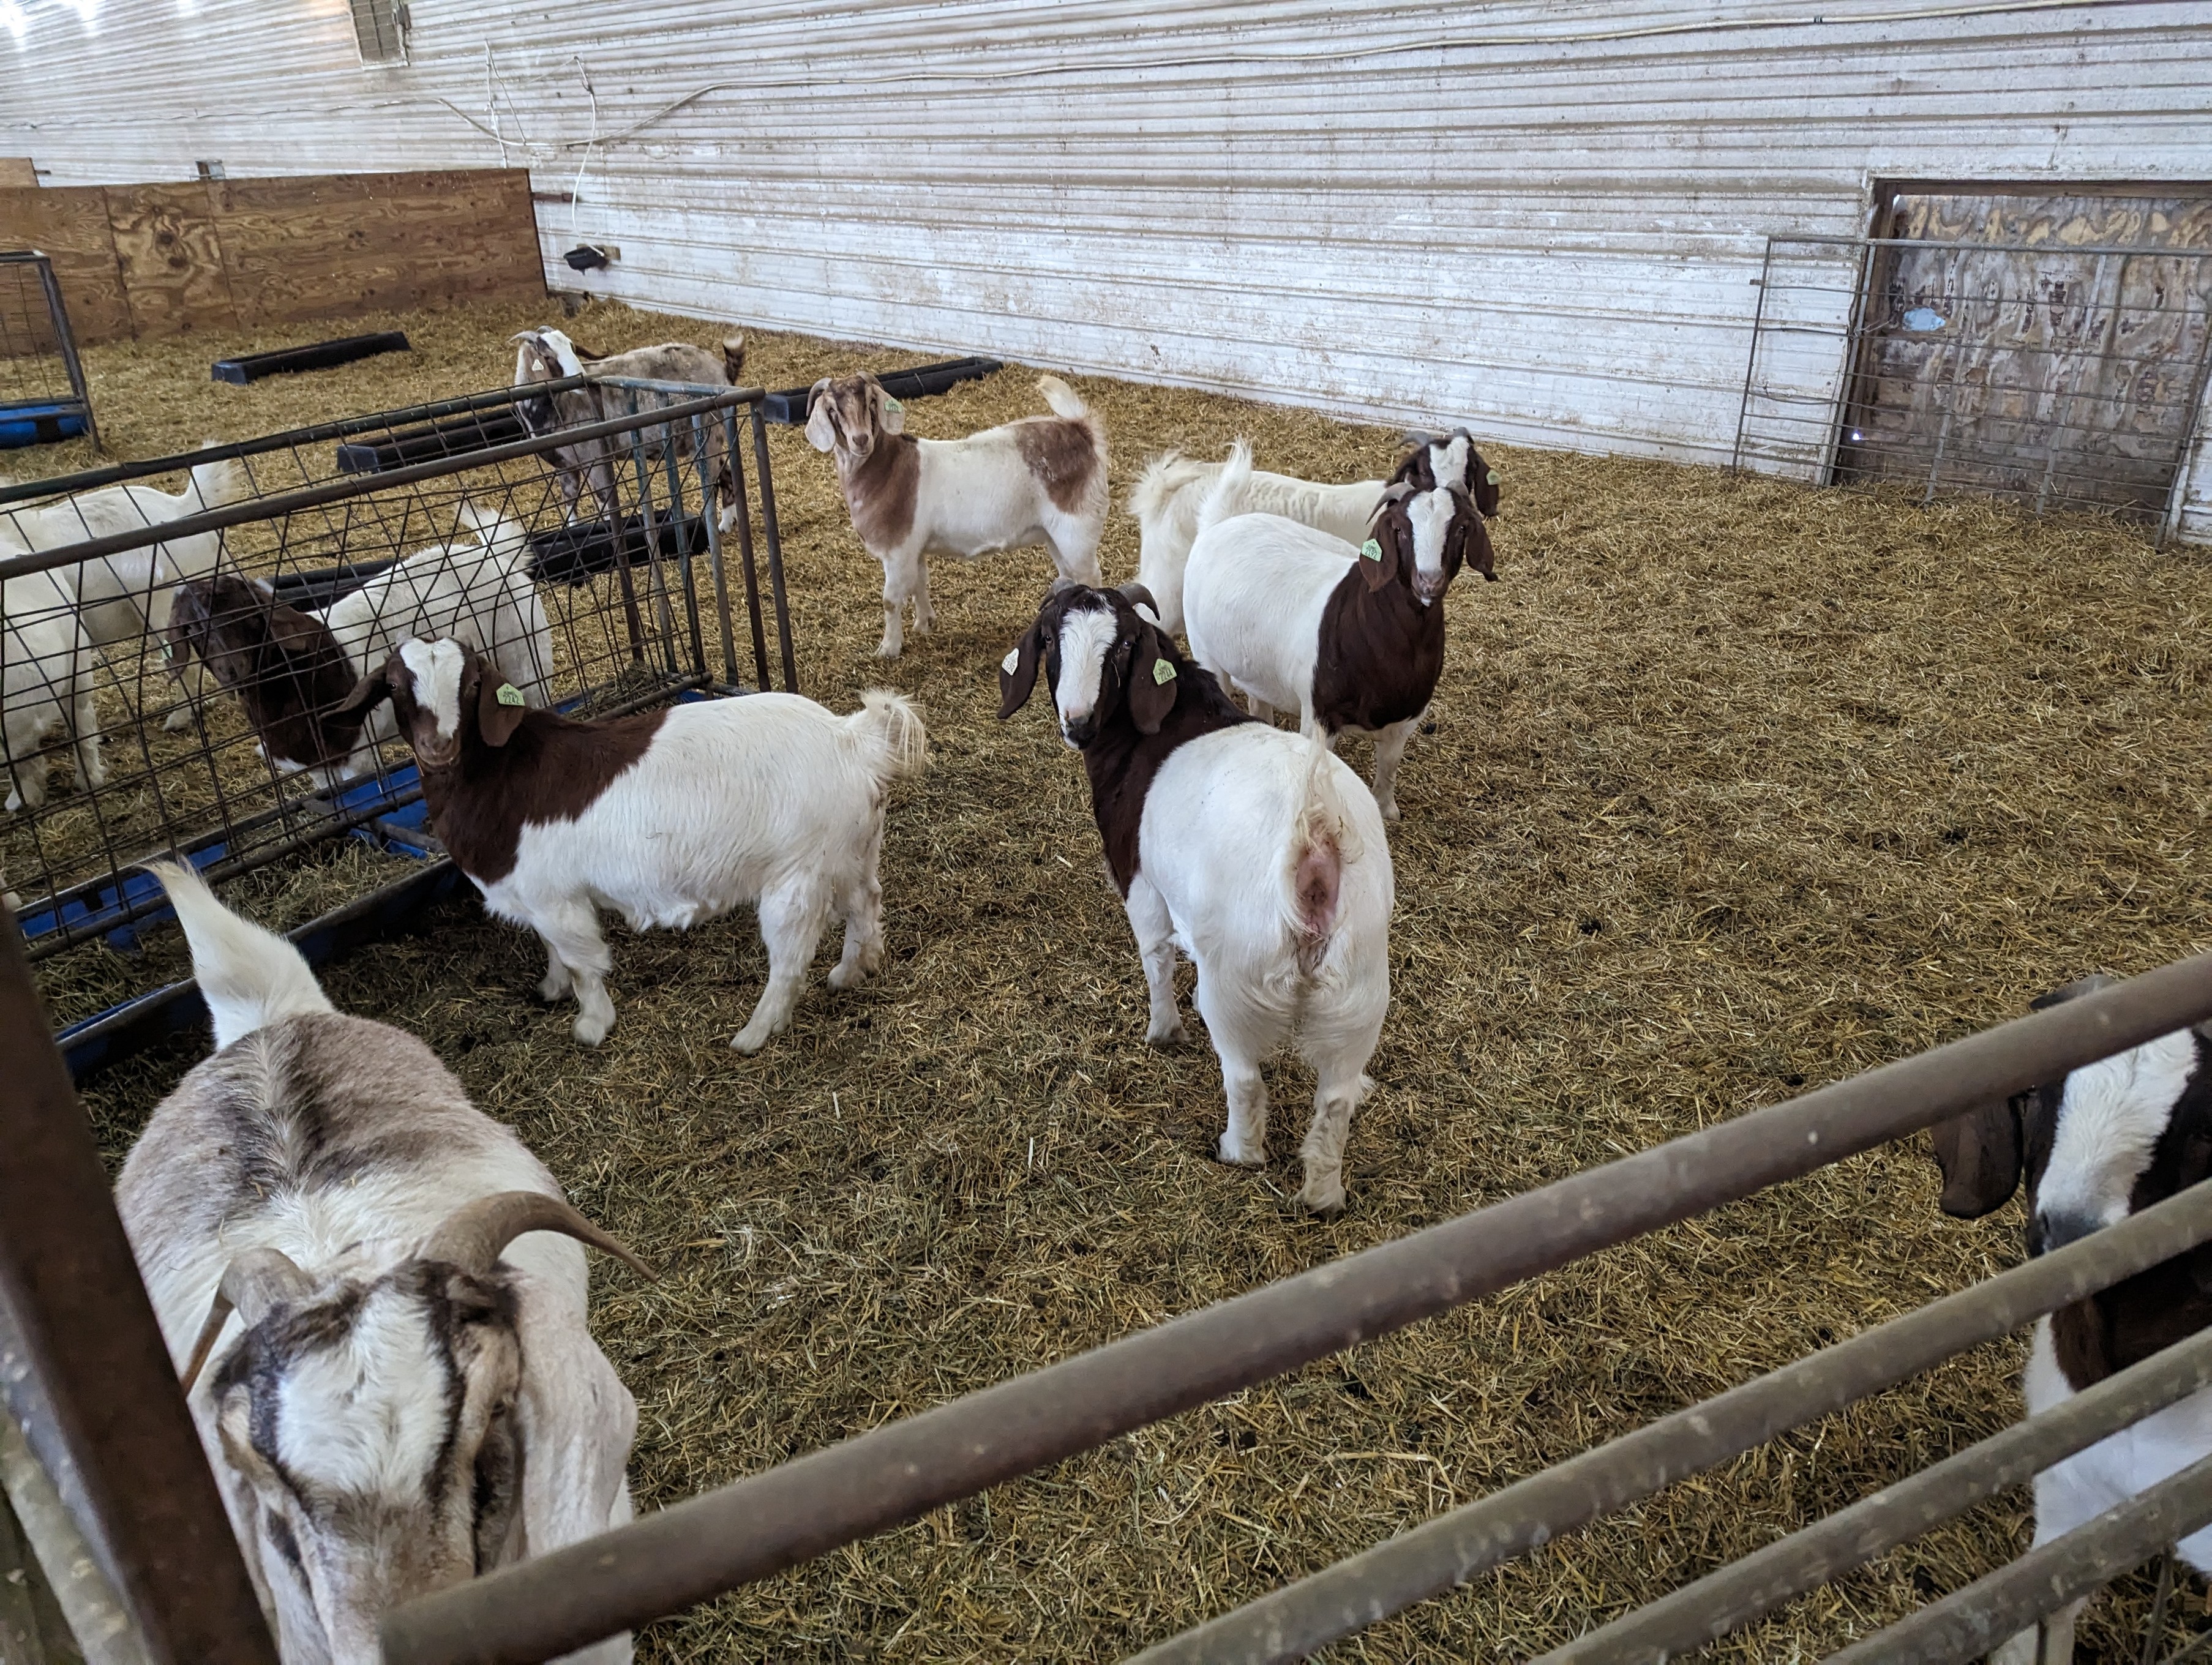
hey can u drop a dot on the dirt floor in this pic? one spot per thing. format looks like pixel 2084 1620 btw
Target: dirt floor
pixel 1737 787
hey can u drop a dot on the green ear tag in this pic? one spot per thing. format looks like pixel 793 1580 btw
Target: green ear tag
pixel 891 403
pixel 1372 550
pixel 509 694
pixel 1163 670
pixel 1491 478
pixel 1013 659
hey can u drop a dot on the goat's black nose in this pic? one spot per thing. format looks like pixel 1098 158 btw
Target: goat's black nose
pixel 2046 1232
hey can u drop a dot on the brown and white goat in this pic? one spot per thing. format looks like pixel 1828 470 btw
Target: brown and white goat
pixel 670 817
pixel 376 1297
pixel 548 354
pixel 2109 1140
pixel 1351 637
pixel 290 668
pixel 1041 480
pixel 1258 854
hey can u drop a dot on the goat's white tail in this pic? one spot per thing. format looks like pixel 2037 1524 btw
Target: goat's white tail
pixel 1157 487
pixel 1323 843
pixel 887 729
pixel 1064 400
pixel 1227 497
pixel 248 976
pixel 218 484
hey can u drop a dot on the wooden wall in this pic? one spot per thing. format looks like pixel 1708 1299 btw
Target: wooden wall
pixel 145 260
pixel 17 171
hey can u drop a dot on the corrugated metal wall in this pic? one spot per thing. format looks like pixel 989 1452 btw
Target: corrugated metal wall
pixel 1543 217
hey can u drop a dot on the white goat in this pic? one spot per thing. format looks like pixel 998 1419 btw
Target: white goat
pixel 290 668
pixel 1258 854
pixel 46 684
pixel 383 1341
pixel 1166 500
pixel 1041 480
pixel 2110 1138
pixel 670 817
pixel 124 599
pixel 1351 636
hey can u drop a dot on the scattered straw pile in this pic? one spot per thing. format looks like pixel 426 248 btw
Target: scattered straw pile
pixel 1737 787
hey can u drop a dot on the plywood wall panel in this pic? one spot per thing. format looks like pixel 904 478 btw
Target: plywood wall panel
pixel 171 259
pixel 71 228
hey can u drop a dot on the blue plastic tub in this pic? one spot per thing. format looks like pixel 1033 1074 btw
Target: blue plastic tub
pixel 40 421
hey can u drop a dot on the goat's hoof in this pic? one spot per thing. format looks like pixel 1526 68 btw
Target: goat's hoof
pixel 179 720
pixel 1324 1194
pixel 1254 1155
pixel 16 802
pixel 593 1030
pixel 553 990
pixel 843 976
pixel 1164 1038
pixel 752 1038
pixel 1389 810
pixel 890 650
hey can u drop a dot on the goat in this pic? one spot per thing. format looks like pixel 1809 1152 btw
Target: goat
pixel 547 354
pixel 1166 502
pixel 375 1297
pixel 1259 855
pixel 1451 460
pixel 670 817
pixel 46 684
pixel 2110 1138
pixel 1041 480
pixel 1351 637
pixel 124 599
pixel 290 669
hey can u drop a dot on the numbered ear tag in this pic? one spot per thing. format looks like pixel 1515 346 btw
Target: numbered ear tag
pixel 1013 659
pixel 1162 671
pixel 1491 478
pixel 508 694
pixel 1370 550
pixel 891 403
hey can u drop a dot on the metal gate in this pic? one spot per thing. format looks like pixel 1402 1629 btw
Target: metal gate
pixel 43 396
pixel 161 648
pixel 2060 377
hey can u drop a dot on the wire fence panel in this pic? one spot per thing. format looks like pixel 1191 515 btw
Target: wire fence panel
pixel 43 396
pixel 2064 379
pixel 180 633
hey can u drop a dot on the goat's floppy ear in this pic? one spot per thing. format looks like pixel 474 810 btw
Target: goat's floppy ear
pixel 1980 1153
pixel 2073 991
pixel 1153 678
pixel 1479 554
pixel 368 693
pixel 890 415
pixel 499 708
pixel 1018 670
pixel 1385 551
pixel 821 430
pixel 1481 482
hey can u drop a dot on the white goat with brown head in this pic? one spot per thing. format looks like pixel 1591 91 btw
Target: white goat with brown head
pixel 376 1297
pixel 1041 480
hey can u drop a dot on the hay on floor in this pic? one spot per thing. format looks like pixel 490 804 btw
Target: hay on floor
pixel 1737 787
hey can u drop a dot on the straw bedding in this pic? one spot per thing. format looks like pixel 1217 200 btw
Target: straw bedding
pixel 1735 788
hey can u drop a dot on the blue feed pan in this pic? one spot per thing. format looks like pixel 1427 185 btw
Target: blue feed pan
pixel 40 421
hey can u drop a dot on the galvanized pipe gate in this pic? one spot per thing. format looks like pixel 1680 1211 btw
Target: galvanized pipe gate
pixel 101 1395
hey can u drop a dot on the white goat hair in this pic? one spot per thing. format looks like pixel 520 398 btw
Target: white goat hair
pixel 1038 480
pixel 124 599
pixel 477 592
pixel 1168 493
pixel 48 684
pixel 669 816
pixel 384 1342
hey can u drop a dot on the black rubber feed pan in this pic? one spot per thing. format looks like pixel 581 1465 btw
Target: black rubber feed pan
pixel 789 407
pixel 574 554
pixel 474 430
pixel 316 356
pixel 312 591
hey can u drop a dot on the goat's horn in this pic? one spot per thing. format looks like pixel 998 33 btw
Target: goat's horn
pixel 1138 596
pixel 253 1283
pixel 474 1236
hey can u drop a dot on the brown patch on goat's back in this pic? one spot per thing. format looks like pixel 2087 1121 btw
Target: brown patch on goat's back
pixel 553 768
pixel 1061 452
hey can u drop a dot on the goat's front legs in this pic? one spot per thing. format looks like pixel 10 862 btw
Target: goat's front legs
pixel 1390 750
pixel 905 579
pixel 90 772
pixel 1155 933
pixel 791 919
pixel 576 958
